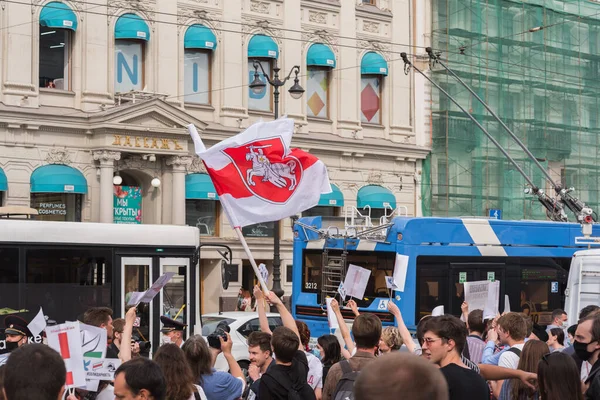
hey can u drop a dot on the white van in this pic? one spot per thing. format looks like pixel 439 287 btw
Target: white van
pixel 583 286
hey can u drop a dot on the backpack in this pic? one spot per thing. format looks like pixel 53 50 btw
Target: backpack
pixel 344 389
pixel 294 392
pixel 514 350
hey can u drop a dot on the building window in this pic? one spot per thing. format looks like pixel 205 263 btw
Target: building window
pixel 317 93
pixel 203 214
pixel 323 211
pixel 370 99
pixel 129 65
pixel 260 101
pixel 55 58
pixel 289 273
pixel 57 206
pixel 197 76
pixel 262 230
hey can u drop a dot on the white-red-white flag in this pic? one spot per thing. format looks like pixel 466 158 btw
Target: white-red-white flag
pixel 258 177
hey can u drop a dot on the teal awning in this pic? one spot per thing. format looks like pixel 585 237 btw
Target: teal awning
pixel 58 178
pixel 320 55
pixel 131 26
pixel 199 37
pixel 333 199
pixel 262 46
pixel 58 15
pixel 3 181
pixel 200 187
pixel 375 196
pixel 373 64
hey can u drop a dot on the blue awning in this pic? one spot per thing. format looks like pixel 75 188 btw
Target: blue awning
pixel 320 55
pixel 333 199
pixel 131 26
pixel 373 64
pixel 262 46
pixel 375 196
pixel 3 181
pixel 58 178
pixel 58 15
pixel 200 187
pixel 199 37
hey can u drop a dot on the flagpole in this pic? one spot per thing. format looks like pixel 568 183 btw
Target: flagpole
pixel 263 285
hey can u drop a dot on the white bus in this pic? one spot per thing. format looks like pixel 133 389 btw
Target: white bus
pixel 68 267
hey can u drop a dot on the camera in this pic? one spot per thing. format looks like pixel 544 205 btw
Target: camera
pixel 144 346
pixel 213 338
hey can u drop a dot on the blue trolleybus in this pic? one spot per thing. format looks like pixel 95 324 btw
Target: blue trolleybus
pixel 531 260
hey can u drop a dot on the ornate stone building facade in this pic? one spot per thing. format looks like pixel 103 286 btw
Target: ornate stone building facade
pixel 98 94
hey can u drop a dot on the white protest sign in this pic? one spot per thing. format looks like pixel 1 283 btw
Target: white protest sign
pixel 264 273
pixel 476 294
pixel 439 310
pixel 506 304
pixel 389 282
pixel 101 369
pixel 490 310
pixel 93 347
pixel 156 287
pixel 356 281
pixel 331 318
pixel 400 271
pixel 383 305
pixel 342 291
pixel 135 298
pixel 66 340
pixel 38 324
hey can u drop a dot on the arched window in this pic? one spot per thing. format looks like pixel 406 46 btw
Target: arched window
pixel 372 69
pixel 131 34
pixel 57 25
pixel 320 60
pixel 199 44
pixel 263 49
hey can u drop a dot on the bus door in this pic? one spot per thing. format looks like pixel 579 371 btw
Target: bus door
pixel 136 276
pixel 176 293
pixel 461 272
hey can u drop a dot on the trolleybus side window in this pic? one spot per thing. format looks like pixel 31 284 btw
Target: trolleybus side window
pixel 9 277
pixel 67 282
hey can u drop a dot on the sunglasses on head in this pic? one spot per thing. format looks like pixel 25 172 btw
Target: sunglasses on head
pixel 545 358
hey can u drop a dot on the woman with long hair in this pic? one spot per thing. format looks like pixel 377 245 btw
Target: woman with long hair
pixel 217 385
pixel 558 378
pixel 330 350
pixel 391 340
pixel 556 339
pixel 178 374
pixel 532 353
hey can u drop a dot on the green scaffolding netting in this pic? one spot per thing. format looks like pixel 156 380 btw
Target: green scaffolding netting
pixel 544 84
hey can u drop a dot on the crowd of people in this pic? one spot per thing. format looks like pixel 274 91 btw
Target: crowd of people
pixel 504 358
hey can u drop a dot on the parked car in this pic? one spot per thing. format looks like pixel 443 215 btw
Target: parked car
pixel 242 324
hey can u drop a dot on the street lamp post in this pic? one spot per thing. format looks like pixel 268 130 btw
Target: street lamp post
pixel 296 91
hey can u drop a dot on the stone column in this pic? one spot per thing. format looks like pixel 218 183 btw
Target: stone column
pixel 107 168
pixel 179 164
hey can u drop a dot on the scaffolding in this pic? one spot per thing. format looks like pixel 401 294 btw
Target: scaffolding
pixel 537 63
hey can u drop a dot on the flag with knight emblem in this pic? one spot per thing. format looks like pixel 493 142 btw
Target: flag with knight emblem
pixel 258 177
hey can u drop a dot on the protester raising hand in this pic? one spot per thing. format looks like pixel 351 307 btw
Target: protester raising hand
pixel 492 335
pixel 353 307
pixel 344 331
pixel 286 317
pixel 260 308
pixel 404 332
pixel 125 350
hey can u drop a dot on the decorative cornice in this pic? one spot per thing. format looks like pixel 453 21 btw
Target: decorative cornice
pixel 179 161
pixel 376 45
pixel 58 156
pixel 187 16
pixel 142 7
pixel 252 26
pixel 132 162
pixel 106 156
pixel 320 36
pixel 196 166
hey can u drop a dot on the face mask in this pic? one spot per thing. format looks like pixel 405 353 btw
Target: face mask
pixel 581 350
pixel 565 324
pixel 10 346
pixel 166 339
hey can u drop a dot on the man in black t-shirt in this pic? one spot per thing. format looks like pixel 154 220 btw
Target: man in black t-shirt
pixel 443 342
pixel 287 378
pixel 261 359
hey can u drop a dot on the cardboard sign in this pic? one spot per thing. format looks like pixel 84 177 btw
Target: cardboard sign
pixel 490 310
pixel 331 318
pixel 389 282
pixel 400 271
pixel 264 273
pixel 438 311
pixel 342 291
pixel 101 369
pixel 506 304
pixel 135 298
pixel 356 281
pixel 156 287
pixel 37 324
pixel 66 340
pixel 476 294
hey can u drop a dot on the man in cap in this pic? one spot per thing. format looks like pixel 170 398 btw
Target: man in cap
pixel 16 331
pixel 172 331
